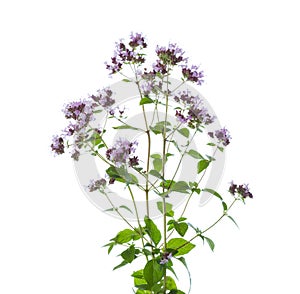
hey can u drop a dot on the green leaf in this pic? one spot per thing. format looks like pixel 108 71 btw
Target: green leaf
pixel 210 243
pixel 176 292
pixel 129 254
pixel 170 284
pixel 213 192
pixel 221 148
pixel 160 127
pixel 224 206
pixel 167 184
pixel 169 206
pixel 211 144
pixel 127 208
pixel 153 272
pixel 123 127
pixel 181 219
pixel 125 236
pixel 138 274
pixel 202 165
pixel 185 264
pixel 180 186
pixel 181 228
pixel 184 132
pixel 124 262
pixel 146 100
pixel 110 246
pixel 156 155
pixel 195 154
pixel 152 230
pixel 231 218
pixel 157 164
pixel 126 80
pixel 155 173
pixel 180 245
pixel 113 173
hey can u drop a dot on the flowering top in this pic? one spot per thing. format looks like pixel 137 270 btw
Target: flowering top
pixel 81 112
pixel 121 151
pixel 104 98
pixel 242 190
pixel 95 185
pixel 57 145
pixel 193 74
pixel 196 112
pixel 127 53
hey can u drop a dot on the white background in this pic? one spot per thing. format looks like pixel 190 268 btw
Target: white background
pixel 53 52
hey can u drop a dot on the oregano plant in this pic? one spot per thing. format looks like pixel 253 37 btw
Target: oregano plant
pixel 151 171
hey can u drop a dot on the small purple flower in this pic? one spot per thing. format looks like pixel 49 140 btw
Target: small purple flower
pixel 165 257
pixel 193 74
pixel 57 145
pixel 172 55
pixel 75 153
pixel 124 54
pixel 197 113
pixel 133 161
pixel 147 87
pixel 223 136
pixel 121 151
pixel 95 185
pixel 81 112
pixel 181 117
pixel 232 188
pixel 211 134
pixel 242 190
pixel 104 98
pixel 137 40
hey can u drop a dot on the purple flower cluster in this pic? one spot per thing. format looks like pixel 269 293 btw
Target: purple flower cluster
pixel 95 185
pixel 242 190
pixel 171 56
pixel 57 145
pixel 130 53
pixel 104 98
pixel 222 135
pixel 121 151
pixel 165 257
pixel 196 112
pixel 193 74
pixel 81 112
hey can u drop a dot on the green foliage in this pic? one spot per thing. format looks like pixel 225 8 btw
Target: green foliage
pixel 146 100
pixel 129 254
pixel 169 206
pixel 213 192
pixel 125 236
pixel 210 243
pixel 195 154
pixel 202 165
pixel 180 246
pixel 170 284
pixel 152 230
pixel 181 228
pixel 159 127
pixel 153 272
pixel 184 132
pixel 125 127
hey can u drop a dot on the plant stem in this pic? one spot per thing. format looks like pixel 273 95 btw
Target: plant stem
pixel 163 175
pixel 149 146
pixel 211 226
pixel 190 196
pixel 137 217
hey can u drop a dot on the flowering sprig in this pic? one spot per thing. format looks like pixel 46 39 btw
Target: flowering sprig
pixel 160 244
